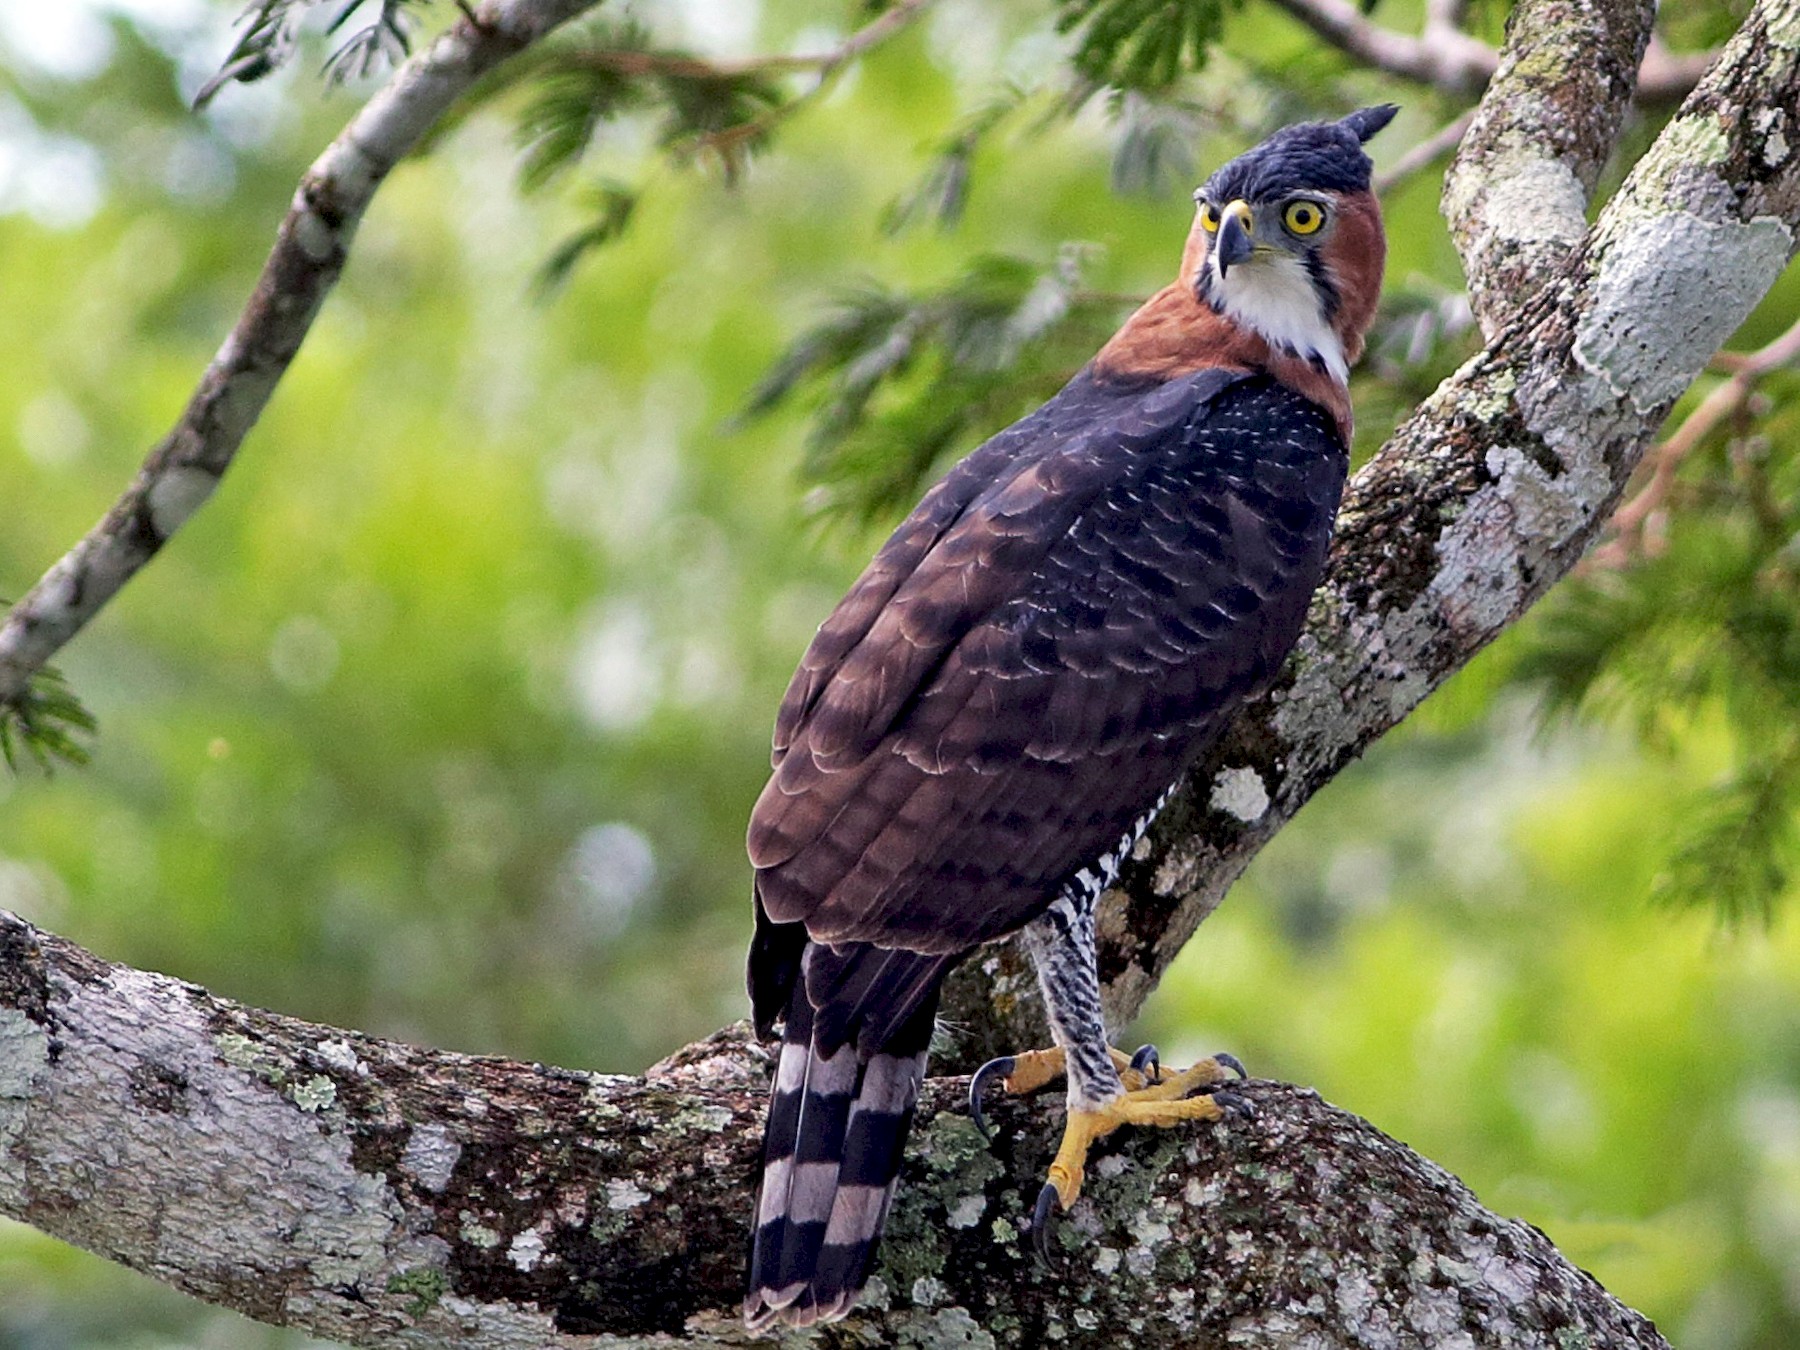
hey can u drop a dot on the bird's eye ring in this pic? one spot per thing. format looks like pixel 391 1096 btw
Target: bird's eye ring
pixel 1209 218
pixel 1303 217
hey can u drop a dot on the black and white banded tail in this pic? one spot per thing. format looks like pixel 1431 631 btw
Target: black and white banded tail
pixel 845 1089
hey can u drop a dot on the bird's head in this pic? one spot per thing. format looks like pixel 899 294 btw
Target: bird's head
pixel 1287 240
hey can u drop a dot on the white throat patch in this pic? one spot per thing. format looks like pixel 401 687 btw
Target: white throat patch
pixel 1275 296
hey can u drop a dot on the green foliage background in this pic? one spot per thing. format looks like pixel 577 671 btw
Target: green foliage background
pixel 443 719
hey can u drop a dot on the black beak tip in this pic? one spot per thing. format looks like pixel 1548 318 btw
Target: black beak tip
pixel 1233 246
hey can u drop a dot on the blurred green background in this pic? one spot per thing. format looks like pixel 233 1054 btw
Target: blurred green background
pixel 443 719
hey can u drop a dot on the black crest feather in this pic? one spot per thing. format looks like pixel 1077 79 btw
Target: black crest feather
pixel 1365 122
pixel 1320 156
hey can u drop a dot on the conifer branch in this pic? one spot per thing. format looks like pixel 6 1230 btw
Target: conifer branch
pixel 685 66
pixel 730 143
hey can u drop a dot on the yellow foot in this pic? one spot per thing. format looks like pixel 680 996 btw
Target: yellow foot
pixel 1034 1069
pixel 1027 1072
pixel 1161 1104
pixel 1168 1101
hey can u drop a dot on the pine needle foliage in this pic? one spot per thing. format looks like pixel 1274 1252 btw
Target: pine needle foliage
pixel 385 40
pixel 577 92
pixel 1737 850
pixel 894 382
pixel 44 724
pixel 271 34
pixel 612 206
pixel 1141 44
pixel 943 190
pixel 1154 154
pixel 609 71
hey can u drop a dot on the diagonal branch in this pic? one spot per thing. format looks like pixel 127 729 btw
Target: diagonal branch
pixel 386 1195
pixel 310 249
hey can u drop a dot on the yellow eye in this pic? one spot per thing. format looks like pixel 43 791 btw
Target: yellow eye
pixel 1209 218
pixel 1303 217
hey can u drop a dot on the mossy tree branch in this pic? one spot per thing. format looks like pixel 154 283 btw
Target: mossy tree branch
pixel 386 1195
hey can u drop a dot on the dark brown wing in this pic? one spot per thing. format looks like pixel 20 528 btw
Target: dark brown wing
pixel 1037 653
pixel 939 519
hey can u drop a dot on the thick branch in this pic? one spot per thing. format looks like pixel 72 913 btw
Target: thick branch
pixel 309 253
pixel 1492 490
pixel 391 1196
pixel 1517 197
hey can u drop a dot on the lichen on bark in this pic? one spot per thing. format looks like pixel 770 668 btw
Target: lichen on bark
pixel 389 1195
pixel 1492 490
pixel 445 1200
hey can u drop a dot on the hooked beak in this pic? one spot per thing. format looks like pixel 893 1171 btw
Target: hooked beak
pixel 1233 245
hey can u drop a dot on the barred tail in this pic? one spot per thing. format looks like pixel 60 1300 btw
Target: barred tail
pixel 838 1116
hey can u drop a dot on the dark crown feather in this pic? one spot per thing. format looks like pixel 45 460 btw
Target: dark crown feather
pixel 1320 156
pixel 1365 122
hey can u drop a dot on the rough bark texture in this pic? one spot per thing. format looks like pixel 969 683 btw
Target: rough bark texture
pixel 309 253
pixel 391 1196
pixel 388 1195
pixel 1493 489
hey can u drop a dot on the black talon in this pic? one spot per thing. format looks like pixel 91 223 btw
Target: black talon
pixel 1231 1062
pixel 1242 1108
pixel 1047 1201
pixel 1147 1062
pixel 994 1068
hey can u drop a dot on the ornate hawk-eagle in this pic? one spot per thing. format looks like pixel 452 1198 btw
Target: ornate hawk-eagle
pixel 993 715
